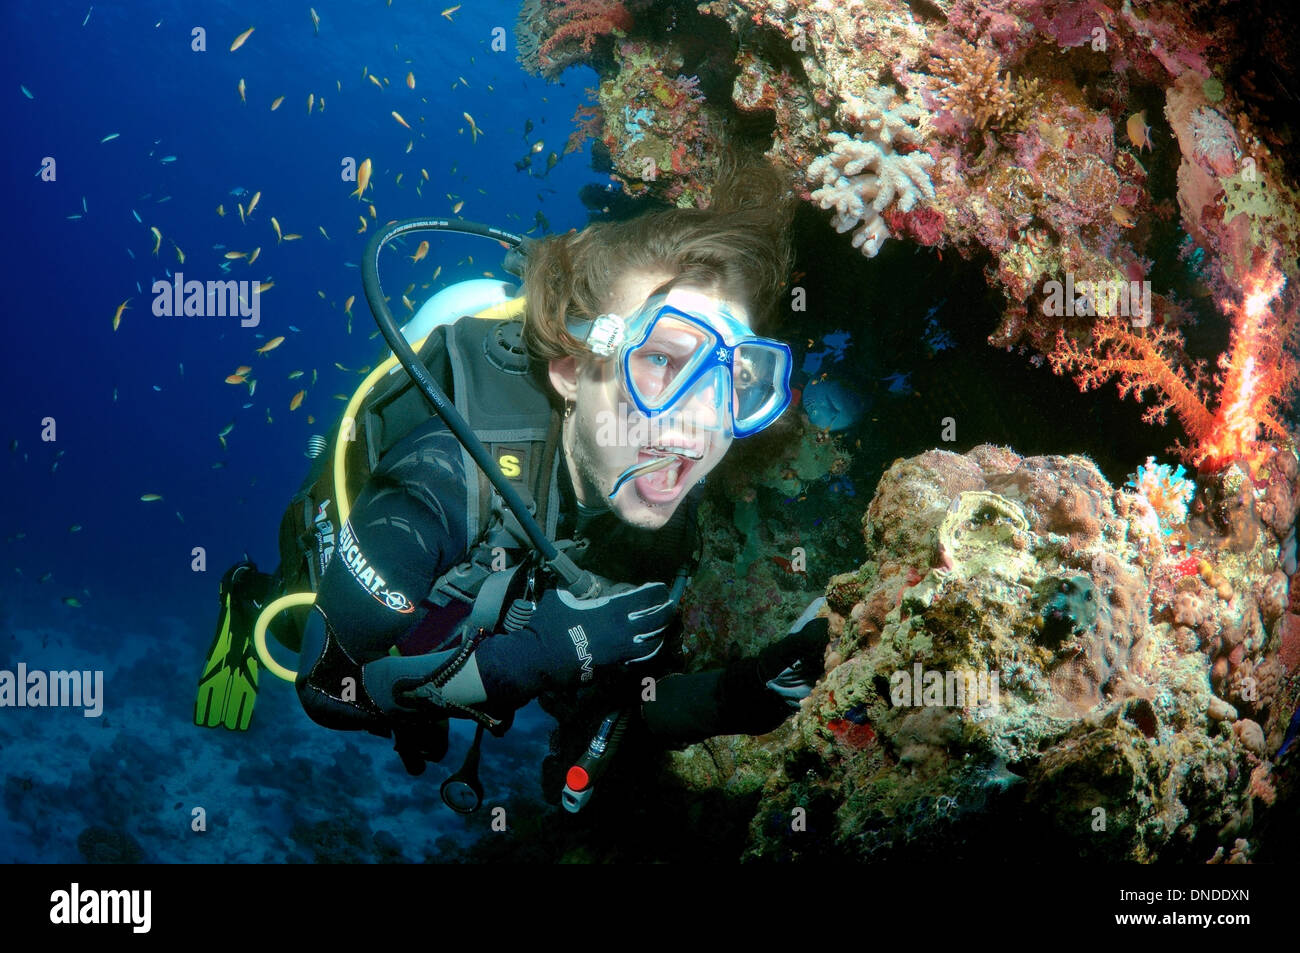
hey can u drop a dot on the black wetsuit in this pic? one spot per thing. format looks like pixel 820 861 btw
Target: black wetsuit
pixel 408 526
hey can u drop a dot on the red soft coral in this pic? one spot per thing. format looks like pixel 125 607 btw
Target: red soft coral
pixel 581 23
pixel 588 122
pixel 1258 375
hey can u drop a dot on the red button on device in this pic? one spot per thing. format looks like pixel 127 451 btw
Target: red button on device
pixel 577 778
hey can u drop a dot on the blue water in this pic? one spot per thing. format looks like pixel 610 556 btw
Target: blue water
pixel 146 614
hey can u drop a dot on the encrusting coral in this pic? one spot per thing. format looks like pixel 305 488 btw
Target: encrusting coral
pixel 1012 652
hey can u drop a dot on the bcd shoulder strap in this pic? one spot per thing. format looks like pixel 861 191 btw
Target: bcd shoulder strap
pixel 483 366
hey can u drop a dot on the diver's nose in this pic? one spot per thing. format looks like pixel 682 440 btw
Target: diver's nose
pixel 704 409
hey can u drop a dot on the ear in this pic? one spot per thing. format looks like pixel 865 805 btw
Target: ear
pixel 563 372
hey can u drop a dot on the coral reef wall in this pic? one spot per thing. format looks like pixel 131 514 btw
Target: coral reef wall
pixel 1026 648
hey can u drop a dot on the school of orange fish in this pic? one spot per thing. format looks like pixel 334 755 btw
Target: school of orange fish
pixel 364 172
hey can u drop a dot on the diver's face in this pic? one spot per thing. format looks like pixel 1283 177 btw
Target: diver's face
pixel 606 435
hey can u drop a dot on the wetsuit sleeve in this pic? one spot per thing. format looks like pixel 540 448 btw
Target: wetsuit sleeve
pixel 406 528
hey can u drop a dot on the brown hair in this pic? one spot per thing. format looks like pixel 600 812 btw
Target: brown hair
pixel 739 244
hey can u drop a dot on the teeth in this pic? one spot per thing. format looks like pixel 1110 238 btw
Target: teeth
pixel 680 451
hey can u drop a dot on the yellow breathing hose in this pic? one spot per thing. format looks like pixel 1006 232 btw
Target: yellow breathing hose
pixel 263 620
pixel 348 432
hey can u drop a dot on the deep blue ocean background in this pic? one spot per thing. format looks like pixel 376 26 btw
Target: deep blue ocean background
pixel 138 411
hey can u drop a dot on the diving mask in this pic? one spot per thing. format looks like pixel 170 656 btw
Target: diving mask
pixel 682 354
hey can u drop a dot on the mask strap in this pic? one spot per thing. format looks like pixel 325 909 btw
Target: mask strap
pixel 602 335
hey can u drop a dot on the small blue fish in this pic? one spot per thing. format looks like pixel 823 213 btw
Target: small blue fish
pixel 137 216
pixel 157 388
pixel 131 253
pixel 899 383
pixel 166 159
pixel 26 92
pixel 295 330
pixel 73 217
pixel 237 192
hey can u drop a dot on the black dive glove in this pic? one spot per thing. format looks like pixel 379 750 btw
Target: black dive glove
pixel 751 696
pixel 567 639
pixel 791 667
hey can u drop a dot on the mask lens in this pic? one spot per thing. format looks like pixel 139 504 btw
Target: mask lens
pixel 661 365
pixel 666 373
pixel 758 374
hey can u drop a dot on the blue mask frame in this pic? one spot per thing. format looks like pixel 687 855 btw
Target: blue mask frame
pixel 721 354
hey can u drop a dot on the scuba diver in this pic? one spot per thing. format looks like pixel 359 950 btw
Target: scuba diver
pixel 537 548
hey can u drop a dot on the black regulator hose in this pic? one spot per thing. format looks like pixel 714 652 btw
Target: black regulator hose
pixel 577 581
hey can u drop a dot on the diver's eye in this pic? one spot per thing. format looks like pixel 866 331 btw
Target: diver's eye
pixel 658 360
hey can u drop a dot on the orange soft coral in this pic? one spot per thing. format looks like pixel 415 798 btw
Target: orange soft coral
pixel 1258 374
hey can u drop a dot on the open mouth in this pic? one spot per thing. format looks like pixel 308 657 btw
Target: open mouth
pixel 664 483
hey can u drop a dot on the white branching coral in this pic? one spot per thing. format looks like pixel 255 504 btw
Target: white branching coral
pixel 884 116
pixel 858 172
pixel 862 174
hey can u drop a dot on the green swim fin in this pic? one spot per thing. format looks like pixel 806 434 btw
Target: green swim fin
pixel 228 685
